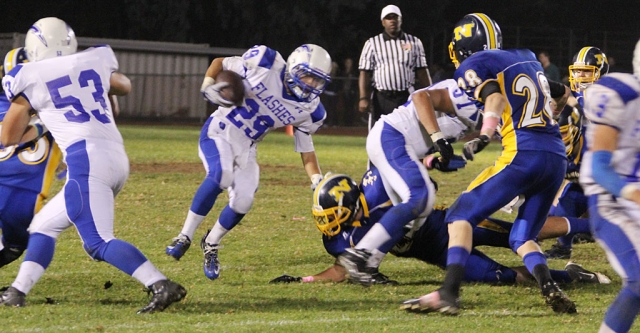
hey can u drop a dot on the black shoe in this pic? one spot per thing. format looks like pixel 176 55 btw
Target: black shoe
pixel 379 278
pixel 558 252
pixel 583 237
pixel 355 262
pixel 578 274
pixel 13 297
pixel 165 292
pixel 557 299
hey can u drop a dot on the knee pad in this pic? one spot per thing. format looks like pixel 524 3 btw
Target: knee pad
pixel 241 203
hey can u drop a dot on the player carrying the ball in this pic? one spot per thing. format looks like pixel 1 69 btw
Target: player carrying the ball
pixel 276 94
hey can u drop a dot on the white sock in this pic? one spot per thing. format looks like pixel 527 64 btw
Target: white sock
pixel 191 223
pixel 1 246
pixel 29 274
pixel 148 274
pixel 375 238
pixel 376 258
pixel 216 234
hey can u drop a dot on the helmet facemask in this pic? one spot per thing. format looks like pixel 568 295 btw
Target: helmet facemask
pixel 582 76
pixel 306 83
pixel 329 221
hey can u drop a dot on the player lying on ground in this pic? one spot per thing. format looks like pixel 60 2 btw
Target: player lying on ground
pixel 344 212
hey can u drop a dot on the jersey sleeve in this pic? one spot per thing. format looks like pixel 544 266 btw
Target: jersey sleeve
pixel 260 56
pixel 235 64
pixel 473 74
pixel 421 59
pixel 107 56
pixel 605 102
pixel 303 131
pixel 367 62
pixel 15 83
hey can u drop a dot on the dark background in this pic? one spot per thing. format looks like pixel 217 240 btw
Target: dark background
pixel 341 26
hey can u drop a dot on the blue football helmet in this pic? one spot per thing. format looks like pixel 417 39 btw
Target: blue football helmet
pixel 308 71
pixel 475 32
pixel 336 201
pixel 589 64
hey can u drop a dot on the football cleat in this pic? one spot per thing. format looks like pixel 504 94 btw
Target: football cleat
pixel 165 293
pixel 13 297
pixel 558 252
pixel 211 262
pixel 579 274
pixel 379 278
pixel 557 299
pixel 178 246
pixel 583 237
pixel 355 262
pixel 432 302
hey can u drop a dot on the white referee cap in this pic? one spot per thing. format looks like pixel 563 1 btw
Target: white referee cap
pixel 390 9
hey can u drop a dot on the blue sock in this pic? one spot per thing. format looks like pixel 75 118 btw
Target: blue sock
pixel 532 259
pixel 457 255
pixel 40 249
pixel 577 225
pixel 560 276
pixel 205 196
pixel 123 256
pixel 622 311
pixel 396 218
pixel 228 218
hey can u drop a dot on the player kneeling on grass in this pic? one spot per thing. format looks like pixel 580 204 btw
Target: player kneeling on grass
pixel 344 212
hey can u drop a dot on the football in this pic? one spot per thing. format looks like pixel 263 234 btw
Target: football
pixel 235 91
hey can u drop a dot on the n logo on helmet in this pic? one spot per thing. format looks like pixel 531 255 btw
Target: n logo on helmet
pixel 463 31
pixel 337 192
pixel 599 59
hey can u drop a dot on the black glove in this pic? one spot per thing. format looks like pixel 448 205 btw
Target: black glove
pixel 286 279
pixel 456 162
pixel 475 146
pixel 446 150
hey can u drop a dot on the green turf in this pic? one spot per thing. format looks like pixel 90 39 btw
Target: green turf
pixel 278 236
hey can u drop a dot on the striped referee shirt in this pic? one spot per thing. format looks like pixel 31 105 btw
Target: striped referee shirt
pixel 392 60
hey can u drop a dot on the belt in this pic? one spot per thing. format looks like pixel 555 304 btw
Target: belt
pixel 394 93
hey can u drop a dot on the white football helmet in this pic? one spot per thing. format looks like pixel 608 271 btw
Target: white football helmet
pixel 308 71
pixel 636 61
pixel 50 37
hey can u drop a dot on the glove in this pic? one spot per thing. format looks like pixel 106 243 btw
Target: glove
pixel 475 146
pixel 315 180
pixel 286 279
pixel 212 94
pixel 455 163
pixel 443 146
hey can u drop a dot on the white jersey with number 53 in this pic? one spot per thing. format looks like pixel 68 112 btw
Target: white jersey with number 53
pixel 70 94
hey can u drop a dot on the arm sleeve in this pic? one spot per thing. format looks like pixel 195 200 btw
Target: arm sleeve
pixel 557 89
pixel 604 174
pixel 488 89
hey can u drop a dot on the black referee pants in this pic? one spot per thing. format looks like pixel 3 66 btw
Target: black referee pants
pixel 384 102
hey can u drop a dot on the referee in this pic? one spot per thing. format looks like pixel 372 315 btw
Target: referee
pixel 394 59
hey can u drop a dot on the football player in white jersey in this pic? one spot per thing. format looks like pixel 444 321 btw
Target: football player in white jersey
pixel 611 180
pixel 277 93
pixel 396 145
pixel 70 93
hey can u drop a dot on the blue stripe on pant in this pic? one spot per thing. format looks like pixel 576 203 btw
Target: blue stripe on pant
pixel 209 189
pixel 120 254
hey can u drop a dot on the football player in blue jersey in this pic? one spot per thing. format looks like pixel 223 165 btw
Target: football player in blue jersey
pixel 344 212
pixel 516 97
pixel 277 94
pixel 26 174
pixel 589 64
pixel 611 180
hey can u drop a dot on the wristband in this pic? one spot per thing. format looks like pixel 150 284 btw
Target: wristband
pixel 490 122
pixel 435 136
pixel 39 129
pixel 363 98
pixel 316 178
pixel 307 279
pixel 627 191
pixel 208 80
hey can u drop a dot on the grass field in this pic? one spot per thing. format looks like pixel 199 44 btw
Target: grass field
pixel 278 236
